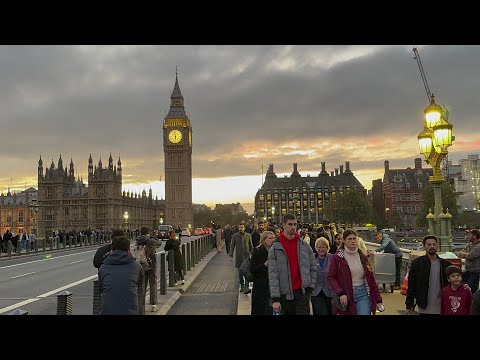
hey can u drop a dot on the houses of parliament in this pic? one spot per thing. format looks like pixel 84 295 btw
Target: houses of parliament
pixel 65 203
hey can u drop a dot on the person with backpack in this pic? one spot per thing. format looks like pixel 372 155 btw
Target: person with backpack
pixel 120 279
pixel 174 244
pixel 145 250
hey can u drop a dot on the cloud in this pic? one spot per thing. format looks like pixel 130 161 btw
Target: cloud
pixel 248 105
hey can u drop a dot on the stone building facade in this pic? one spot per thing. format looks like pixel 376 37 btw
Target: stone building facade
pixel 66 203
pixel 16 211
pixel 402 193
pixel 310 198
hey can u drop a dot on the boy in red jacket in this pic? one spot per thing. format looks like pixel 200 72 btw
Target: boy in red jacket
pixel 456 300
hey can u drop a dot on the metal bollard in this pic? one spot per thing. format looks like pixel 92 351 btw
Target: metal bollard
pixel 70 241
pixel 19 312
pixel 184 257
pixel 189 256
pixel 163 273
pixel 44 244
pixel 171 269
pixel 50 240
pixel 36 246
pixel 192 254
pixel 97 297
pixel 64 303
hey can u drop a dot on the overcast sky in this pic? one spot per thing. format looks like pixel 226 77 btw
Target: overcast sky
pixel 248 106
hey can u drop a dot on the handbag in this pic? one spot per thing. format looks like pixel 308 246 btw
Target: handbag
pixel 245 269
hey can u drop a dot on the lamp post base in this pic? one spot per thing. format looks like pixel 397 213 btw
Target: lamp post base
pixel 446 244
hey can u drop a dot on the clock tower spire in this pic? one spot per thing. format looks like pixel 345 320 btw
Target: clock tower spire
pixel 177 148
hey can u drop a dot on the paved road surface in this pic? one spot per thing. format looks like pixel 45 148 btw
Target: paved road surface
pixel 32 282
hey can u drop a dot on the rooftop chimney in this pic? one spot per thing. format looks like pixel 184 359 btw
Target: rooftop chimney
pixel 347 167
pixel 341 169
pixel 387 165
pixel 323 172
pixel 336 171
pixel 331 173
pixel 295 167
pixel 418 163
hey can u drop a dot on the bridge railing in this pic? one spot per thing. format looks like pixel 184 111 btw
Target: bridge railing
pixel 407 256
pixel 47 244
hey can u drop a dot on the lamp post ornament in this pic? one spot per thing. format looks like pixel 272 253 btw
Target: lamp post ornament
pixel 434 141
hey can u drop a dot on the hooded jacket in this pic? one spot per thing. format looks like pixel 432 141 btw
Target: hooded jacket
pixel 121 280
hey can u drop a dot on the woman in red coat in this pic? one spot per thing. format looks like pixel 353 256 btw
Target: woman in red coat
pixel 350 277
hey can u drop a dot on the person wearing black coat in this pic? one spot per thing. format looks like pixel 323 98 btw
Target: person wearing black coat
pixel 174 244
pixel 422 291
pixel 259 268
pixel 105 250
pixel 120 279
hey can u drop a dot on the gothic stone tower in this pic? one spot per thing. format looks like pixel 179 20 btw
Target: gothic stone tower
pixel 104 194
pixel 177 147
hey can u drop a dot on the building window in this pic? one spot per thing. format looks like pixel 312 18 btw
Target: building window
pixel 260 197
pixel 20 216
pixel 407 186
pixel 420 185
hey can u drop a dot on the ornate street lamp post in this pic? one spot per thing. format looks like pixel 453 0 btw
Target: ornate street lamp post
pixel 125 219
pixel 34 210
pixel 161 221
pixel 434 141
pixel 273 214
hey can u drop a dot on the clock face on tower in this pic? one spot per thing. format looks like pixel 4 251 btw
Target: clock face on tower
pixel 175 136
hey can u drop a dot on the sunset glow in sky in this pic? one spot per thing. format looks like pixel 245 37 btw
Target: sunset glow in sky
pixel 248 106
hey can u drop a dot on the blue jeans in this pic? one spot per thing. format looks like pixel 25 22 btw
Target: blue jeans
pixel 362 301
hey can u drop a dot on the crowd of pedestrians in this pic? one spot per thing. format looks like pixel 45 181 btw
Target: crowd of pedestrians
pixel 296 273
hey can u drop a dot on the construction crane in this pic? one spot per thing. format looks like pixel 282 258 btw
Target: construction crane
pixel 430 96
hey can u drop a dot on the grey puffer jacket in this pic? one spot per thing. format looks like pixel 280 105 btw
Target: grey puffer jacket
pixel 279 269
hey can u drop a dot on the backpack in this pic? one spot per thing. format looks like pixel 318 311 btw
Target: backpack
pixel 143 256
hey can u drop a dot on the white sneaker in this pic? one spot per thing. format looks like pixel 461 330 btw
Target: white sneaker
pixel 183 282
pixel 154 308
pixel 175 283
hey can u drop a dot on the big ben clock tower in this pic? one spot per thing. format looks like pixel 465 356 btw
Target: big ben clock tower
pixel 177 147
